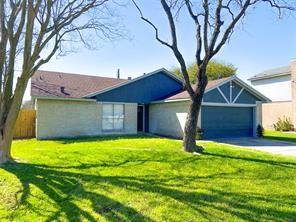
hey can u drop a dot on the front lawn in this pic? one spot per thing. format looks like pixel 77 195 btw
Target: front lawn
pixel 283 136
pixel 144 179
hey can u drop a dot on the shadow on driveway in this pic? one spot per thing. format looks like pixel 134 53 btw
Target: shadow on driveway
pixel 266 145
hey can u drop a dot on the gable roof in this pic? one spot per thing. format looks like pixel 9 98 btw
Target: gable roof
pixel 280 71
pixel 214 84
pixel 184 94
pixel 163 70
pixel 67 85
pixel 48 84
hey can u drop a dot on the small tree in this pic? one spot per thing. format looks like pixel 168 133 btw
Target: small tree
pixel 31 33
pixel 260 131
pixel 215 70
pixel 284 124
pixel 215 21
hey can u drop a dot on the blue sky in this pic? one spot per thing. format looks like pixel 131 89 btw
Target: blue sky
pixel 262 42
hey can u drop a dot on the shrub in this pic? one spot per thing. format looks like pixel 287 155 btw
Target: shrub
pixel 284 124
pixel 260 131
pixel 199 133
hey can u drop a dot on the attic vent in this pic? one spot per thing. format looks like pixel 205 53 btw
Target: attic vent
pixel 63 90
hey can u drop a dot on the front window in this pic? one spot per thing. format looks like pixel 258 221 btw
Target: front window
pixel 113 117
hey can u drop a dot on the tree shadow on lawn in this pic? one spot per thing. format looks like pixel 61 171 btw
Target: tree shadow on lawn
pixel 84 139
pixel 286 164
pixel 64 187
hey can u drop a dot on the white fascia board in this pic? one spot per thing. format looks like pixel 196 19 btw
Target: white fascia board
pixel 269 76
pixel 228 104
pixel 172 75
pixel 107 102
pixel 207 103
pixel 170 101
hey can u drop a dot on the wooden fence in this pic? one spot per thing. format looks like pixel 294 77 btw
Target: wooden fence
pixel 25 124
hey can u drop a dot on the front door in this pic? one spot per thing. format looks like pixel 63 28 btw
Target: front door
pixel 140 118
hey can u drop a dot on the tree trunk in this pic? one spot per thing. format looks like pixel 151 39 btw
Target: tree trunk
pixel 189 140
pixel 5 146
pixel 6 134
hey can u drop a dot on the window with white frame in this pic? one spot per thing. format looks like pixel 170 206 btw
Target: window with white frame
pixel 113 117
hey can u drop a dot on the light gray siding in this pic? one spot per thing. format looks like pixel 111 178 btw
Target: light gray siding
pixel 168 119
pixel 67 118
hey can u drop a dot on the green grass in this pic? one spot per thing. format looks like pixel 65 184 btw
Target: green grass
pixel 144 179
pixel 283 136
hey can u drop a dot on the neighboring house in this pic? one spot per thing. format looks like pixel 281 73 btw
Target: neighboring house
pixel 279 85
pixel 70 105
pixel 28 105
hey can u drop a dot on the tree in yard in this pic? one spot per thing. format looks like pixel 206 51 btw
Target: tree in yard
pixel 31 33
pixel 214 22
pixel 215 70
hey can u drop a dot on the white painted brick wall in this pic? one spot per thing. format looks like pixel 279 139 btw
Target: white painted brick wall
pixel 168 119
pixel 66 118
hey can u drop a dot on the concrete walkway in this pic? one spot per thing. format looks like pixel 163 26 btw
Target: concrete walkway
pixel 270 146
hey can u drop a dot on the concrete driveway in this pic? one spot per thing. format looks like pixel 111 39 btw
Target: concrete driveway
pixel 270 146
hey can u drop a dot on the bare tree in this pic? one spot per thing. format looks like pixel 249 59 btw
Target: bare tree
pixel 215 21
pixel 31 33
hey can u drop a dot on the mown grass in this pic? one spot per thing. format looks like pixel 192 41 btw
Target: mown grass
pixel 283 136
pixel 144 179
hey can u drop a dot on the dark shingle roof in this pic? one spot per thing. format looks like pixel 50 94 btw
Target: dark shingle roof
pixel 285 70
pixel 57 84
pixel 67 85
pixel 184 94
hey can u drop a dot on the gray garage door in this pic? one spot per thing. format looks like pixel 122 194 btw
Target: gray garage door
pixel 218 122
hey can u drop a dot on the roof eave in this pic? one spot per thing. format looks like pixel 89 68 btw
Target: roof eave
pixel 63 98
pixel 269 76
pixel 254 91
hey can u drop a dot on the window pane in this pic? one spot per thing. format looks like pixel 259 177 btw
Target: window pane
pixel 118 110
pixel 113 117
pixel 107 124
pixel 107 110
pixel 118 123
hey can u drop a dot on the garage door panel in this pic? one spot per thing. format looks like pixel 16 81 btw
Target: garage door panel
pixel 227 121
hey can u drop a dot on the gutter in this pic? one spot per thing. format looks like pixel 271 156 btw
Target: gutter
pixel 269 76
pixel 63 99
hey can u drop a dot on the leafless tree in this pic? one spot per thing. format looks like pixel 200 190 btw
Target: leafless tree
pixel 31 33
pixel 215 21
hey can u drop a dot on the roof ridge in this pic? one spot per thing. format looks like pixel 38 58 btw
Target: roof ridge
pixel 77 74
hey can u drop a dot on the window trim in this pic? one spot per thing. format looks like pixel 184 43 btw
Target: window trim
pixel 102 119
